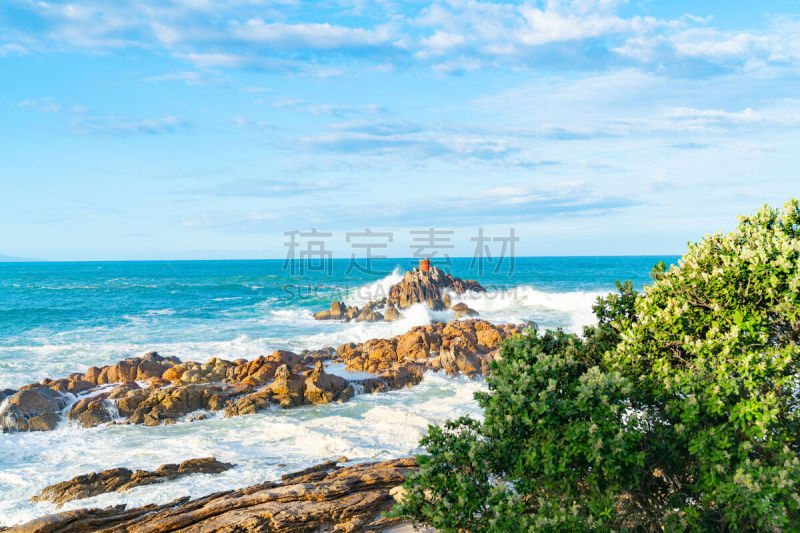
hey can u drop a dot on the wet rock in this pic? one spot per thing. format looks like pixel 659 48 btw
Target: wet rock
pixel 73 384
pixel 91 412
pixel 463 310
pixel 459 359
pixel 391 313
pixel 131 369
pixel 154 357
pixel 368 314
pixel 288 388
pixel 153 407
pixel 5 393
pixel 33 409
pixel 428 287
pixel 262 370
pixel 212 371
pixel 426 344
pixel 402 375
pixel 249 404
pixel 336 312
pixel 121 479
pixel 312 356
pixel 321 387
pixel 351 313
pixel 121 390
pixel 332 498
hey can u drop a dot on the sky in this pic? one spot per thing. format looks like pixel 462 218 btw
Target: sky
pixel 212 129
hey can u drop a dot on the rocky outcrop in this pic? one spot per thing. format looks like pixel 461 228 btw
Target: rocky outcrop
pixel 132 369
pixel 36 408
pixel 418 286
pixel 262 370
pixel 425 345
pixel 122 479
pixel 327 498
pixel 153 407
pixel 191 391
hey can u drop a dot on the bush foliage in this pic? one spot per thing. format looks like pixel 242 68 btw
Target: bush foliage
pixel 677 411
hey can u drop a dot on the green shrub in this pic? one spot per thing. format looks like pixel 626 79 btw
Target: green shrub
pixel 677 411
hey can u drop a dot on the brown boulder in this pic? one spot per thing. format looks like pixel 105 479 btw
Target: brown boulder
pixel 402 375
pixel 287 389
pixel 33 409
pixel 91 412
pixel 463 310
pixel 321 387
pixel 152 407
pixel 368 314
pixel 249 404
pixel 460 359
pixel 212 371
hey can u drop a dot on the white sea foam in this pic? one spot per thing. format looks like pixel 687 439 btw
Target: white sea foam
pixel 572 309
pixel 370 426
pixel 374 290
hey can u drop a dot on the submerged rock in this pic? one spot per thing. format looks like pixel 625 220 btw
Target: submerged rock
pixel 326 498
pixel 121 479
pixel 463 310
pixel 37 408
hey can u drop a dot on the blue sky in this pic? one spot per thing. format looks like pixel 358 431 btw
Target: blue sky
pixel 184 129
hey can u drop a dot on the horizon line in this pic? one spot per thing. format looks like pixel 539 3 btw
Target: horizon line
pixel 30 261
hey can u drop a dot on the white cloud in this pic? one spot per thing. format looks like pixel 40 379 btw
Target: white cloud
pixel 450 36
pixel 316 36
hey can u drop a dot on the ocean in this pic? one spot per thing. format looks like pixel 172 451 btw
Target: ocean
pixel 58 318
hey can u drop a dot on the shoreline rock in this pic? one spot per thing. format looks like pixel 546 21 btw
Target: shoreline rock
pixel 327 497
pixel 122 479
pixel 283 379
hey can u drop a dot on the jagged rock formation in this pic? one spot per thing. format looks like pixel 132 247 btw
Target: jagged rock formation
pixel 436 346
pixel 322 498
pixel 190 391
pixel 122 479
pixel 418 286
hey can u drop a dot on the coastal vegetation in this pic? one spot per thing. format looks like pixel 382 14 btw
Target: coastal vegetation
pixel 677 411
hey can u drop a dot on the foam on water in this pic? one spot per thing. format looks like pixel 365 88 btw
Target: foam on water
pixel 375 290
pixel 368 427
pixel 572 309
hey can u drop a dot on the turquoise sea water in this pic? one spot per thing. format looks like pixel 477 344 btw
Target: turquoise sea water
pixel 57 318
